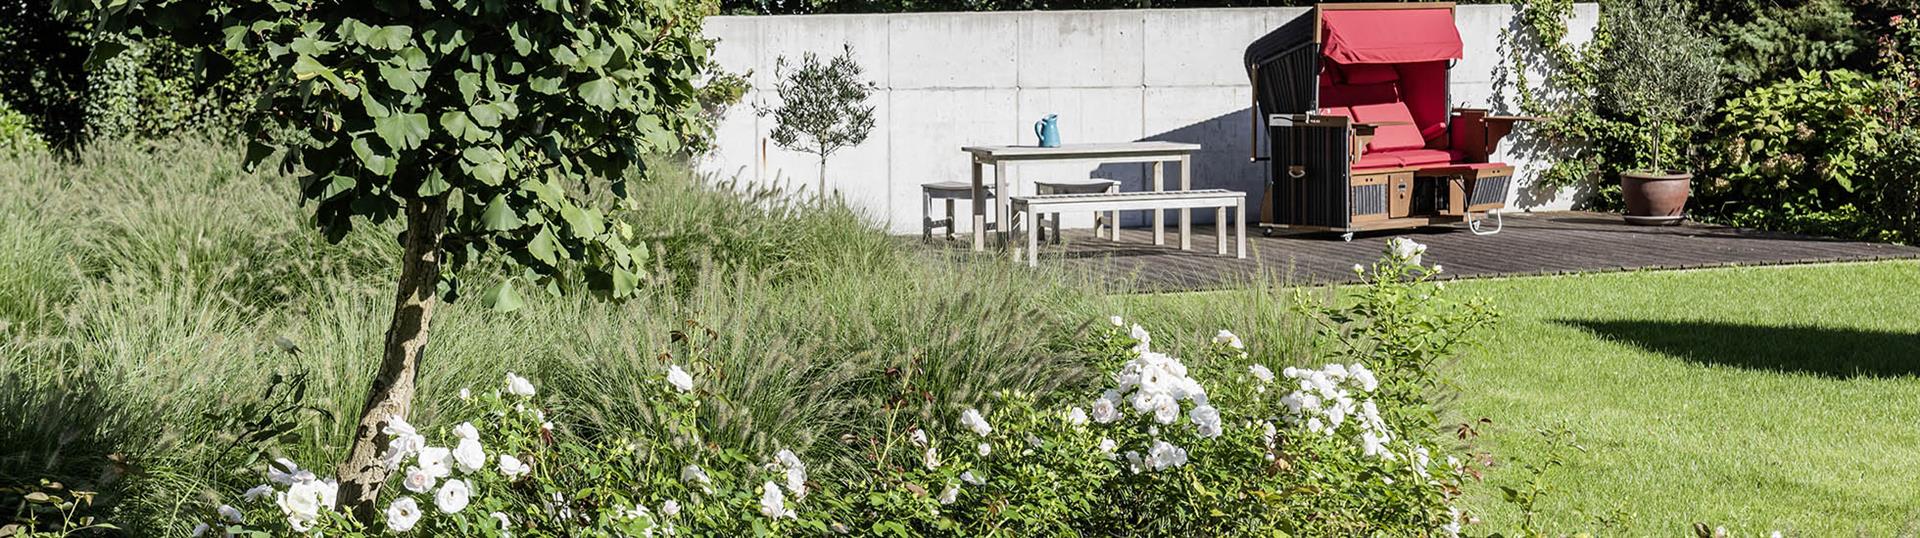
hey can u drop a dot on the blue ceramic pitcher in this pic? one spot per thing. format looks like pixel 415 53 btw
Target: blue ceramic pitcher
pixel 1048 130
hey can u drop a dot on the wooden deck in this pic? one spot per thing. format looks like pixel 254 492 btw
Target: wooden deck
pixel 1532 244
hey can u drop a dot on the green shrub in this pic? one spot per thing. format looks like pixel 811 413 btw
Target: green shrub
pixel 1797 143
pixel 1772 41
pixel 17 134
pixel 1892 198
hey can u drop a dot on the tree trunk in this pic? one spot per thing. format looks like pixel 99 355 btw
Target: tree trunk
pixel 392 392
pixel 823 177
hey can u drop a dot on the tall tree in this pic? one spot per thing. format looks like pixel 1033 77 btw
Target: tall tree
pixel 484 124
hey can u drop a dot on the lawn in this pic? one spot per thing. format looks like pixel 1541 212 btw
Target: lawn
pixel 1760 399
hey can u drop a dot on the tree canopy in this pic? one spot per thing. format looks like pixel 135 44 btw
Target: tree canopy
pixel 503 109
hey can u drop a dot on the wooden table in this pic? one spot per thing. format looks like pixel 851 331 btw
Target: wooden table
pixel 1002 157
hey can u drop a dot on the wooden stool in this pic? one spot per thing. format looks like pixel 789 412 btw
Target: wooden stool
pixel 949 191
pixel 1080 186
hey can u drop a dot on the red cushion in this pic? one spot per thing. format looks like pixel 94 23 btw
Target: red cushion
pixel 1420 157
pixel 1390 137
pixel 1406 158
pixel 1359 94
pixel 1377 160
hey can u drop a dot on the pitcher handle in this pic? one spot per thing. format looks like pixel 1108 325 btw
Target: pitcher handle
pixel 1039 132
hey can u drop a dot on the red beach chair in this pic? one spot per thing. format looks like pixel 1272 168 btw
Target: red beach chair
pixel 1355 101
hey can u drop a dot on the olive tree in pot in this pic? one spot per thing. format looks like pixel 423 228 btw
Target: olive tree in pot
pixel 1666 72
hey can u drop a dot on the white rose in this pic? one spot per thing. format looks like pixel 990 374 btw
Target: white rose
pixel 403 514
pixel 1107 446
pixel 1261 373
pixel 229 513
pixel 919 437
pixel 1077 416
pixel 951 494
pixel 505 524
pixel 1165 409
pixel 1165 455
pixel 258 492
pixel 973 421
pixel 984 449
pixel 512 467
pixel 417 480
pixel 519 386
pixel 679 378
pixel 772 503
pixel 693 474
pixel 1117 321
pixel 465 394
pixel 1206 421
pixel 286 477
pixel 670 508
pixel 436 461
pixel 1105 410
pixel 466 431
pixel 452 497
pixel 468 456
pixel 971 478
pixel 797 483
pixel 302 503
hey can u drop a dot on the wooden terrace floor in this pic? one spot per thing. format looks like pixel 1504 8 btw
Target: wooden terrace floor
pixel 1532 244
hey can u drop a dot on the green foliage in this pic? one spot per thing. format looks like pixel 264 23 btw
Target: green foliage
pixel 1779 42
pixel 40 73
pixel 156 88
pixel 499 112
pixel 1892 199
pixel 823 107
pixel 1800 141
pixel 17 134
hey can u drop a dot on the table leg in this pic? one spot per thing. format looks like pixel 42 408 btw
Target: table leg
pixel 1240 227
pixel 1000 201
pixel 1220 230
pixel 979 210
pixel 1186 215
pixel 1159 215
pixel 1033 238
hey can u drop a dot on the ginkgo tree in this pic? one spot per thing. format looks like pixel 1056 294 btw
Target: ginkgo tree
pixel 486 125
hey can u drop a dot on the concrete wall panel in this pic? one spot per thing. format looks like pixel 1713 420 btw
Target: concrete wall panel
pixel 949 50
pixel 1081 49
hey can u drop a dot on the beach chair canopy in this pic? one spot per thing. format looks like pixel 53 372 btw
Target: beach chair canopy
pixel 1370 63
pixel 1346 48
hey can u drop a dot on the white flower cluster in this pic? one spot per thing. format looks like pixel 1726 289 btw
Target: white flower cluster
pixel 1155 384
pixel 306 494
pixel 1336 395
pixel 773 500
pixel 1406 250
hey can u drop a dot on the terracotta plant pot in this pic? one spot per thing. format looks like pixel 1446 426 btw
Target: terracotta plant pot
pixel 1655 198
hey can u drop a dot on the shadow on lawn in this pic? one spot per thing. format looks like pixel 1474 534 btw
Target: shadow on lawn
pixel 1830 352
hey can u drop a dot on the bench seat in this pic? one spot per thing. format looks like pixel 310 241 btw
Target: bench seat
pixel 1218 199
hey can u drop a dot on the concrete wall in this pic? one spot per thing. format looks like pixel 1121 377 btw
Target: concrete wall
pixel 953 79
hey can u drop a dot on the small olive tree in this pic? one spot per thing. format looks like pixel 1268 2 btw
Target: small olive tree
pixel 1662 69
pixel 483 124
pixel 823 107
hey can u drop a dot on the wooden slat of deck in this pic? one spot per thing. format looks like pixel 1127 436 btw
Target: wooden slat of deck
pixel 1532 244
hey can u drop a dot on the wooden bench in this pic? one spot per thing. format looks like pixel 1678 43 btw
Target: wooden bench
pixel 1031 207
